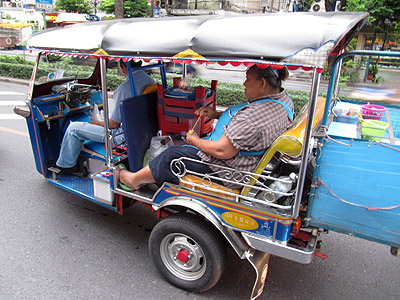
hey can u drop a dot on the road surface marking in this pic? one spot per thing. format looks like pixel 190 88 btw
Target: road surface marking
pixel 10 93
pixel 14 131
pixel 12 102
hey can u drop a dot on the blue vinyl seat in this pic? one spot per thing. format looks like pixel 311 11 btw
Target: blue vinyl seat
pixel 140 124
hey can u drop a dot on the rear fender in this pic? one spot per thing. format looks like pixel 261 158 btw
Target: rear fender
pixel 236 241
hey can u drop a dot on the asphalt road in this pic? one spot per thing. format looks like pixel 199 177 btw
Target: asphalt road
pixel 55 245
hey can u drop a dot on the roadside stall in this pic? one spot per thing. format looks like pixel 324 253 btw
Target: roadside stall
pixel 339 173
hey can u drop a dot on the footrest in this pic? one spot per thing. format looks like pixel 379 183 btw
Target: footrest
pixel 54 170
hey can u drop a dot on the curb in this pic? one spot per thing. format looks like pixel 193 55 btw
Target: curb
pixel 14 80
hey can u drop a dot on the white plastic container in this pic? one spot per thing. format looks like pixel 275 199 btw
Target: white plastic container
pixel 101 185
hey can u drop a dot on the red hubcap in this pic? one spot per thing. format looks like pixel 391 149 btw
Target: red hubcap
pixel 183 256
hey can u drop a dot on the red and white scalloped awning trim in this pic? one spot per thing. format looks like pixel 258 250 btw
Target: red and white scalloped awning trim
pixel 222 62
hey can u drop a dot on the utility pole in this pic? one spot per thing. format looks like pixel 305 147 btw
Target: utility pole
pixel 119 9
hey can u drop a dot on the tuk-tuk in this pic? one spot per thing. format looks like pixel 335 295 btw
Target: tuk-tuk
pixel 340 163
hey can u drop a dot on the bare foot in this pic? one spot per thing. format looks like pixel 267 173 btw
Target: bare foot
pixel 128 178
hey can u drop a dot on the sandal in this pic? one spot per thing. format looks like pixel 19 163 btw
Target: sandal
pixel 121 185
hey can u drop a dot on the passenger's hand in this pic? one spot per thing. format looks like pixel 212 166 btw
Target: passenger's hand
pixel 192 137
pixel 207 111
pixel 94 121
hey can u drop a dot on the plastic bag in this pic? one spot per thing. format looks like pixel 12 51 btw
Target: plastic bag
pixel 96 114
pixel 158 144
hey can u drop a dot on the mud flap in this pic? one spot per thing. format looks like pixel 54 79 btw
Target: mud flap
pixel 259 260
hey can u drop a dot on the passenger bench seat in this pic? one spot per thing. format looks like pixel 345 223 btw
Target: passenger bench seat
pixel 289 143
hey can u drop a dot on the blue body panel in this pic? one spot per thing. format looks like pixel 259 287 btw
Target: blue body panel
pixel 34 134
pixel 49 119
pixel 360 178
pixel 265 221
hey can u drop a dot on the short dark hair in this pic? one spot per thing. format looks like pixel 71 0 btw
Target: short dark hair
pixel 274 77
pixel 133 64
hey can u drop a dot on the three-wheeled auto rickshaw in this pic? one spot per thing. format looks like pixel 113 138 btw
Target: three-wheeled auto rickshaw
pixel 338 162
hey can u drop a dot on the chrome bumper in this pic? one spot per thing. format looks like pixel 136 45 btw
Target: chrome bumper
pixel 294 253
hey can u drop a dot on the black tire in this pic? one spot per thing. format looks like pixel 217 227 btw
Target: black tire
pixel 188 252
pixel 395 251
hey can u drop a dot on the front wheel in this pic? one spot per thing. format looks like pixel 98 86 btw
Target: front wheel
pixel 395 251
pixel 188 252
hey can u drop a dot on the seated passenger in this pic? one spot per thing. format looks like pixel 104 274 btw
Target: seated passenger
pixel 78 132
pixel 240 137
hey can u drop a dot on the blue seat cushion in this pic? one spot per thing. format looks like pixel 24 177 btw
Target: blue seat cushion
pixel 94 149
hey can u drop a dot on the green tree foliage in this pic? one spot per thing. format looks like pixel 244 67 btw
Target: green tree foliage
pixel 384 18
pixel 384 14
pixel 107 6
pixel 81 6
pixel 138 8
pixel 132 9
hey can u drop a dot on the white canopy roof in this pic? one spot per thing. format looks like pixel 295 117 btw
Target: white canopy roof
pixel 290 38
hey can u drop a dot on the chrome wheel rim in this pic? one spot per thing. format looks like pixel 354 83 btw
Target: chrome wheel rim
pixel 183 257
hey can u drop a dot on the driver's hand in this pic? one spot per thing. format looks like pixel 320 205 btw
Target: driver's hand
pixel 207 111
pixel 192 137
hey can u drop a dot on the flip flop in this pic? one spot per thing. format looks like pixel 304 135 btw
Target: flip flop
pixel 123 186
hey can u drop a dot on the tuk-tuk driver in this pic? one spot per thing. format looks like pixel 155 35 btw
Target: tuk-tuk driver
pixel 240 137
pixel 78 132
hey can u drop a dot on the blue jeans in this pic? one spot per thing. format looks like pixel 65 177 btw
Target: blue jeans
pixel 77 133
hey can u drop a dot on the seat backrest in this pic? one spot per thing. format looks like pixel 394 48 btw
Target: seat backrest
pixel 298 130
pixel 140 124
pixel 290 142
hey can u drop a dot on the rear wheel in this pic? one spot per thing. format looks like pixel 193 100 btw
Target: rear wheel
pixel 188 252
